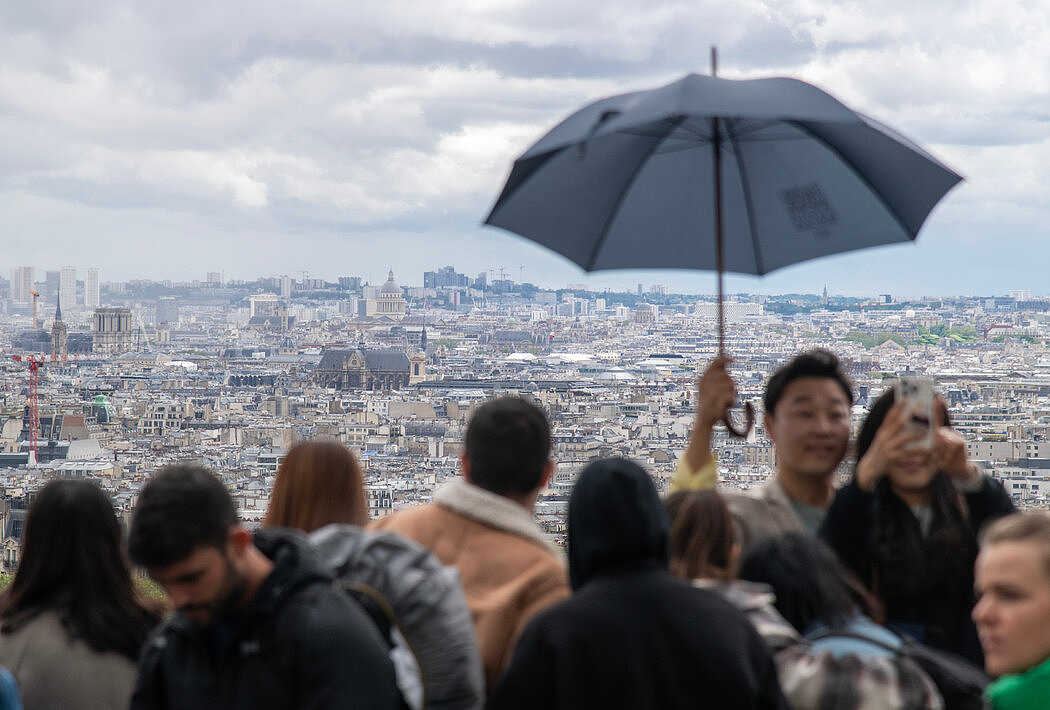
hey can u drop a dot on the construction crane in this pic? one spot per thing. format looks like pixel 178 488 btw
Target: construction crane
pixel 34 362
pixel 35 295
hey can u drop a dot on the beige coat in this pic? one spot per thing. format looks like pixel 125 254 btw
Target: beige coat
pixel 508 569
pixel 762 512
pixel 56 672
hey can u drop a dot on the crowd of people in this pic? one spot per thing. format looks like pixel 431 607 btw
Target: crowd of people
pixel 914 585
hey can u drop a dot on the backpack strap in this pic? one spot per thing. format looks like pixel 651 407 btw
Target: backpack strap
pixel 847 634
pixel 376 611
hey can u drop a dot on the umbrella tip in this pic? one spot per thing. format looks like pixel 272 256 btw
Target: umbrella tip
pixel 714 60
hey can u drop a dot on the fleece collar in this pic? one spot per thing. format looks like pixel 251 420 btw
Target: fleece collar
pixel 490 509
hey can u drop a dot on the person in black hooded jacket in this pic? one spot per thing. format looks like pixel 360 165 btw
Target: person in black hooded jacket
pixel 632 635
pixel 257 622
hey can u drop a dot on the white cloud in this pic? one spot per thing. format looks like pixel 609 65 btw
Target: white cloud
pixel 402 117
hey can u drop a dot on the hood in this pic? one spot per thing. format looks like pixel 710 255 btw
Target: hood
pixel 295 563
pixel 616 521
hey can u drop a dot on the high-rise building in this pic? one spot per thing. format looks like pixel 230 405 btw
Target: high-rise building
pixel 168 311
pixel 51 282
pixel 215 277
pixel 67 287
pixel 22 284
pixel 92 297
pixel 262 305
pixel 445 277
pixel 286 287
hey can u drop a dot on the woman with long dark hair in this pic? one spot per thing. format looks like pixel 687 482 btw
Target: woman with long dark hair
pixel 907 524
pixel 71 623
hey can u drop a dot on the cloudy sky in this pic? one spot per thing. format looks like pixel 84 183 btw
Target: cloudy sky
pixel 344 138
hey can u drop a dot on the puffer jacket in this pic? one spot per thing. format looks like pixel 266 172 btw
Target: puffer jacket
pixel 299 644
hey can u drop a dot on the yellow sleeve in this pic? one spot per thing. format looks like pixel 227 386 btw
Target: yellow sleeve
pixel 686 479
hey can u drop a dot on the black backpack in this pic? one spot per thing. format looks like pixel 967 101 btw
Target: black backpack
pixel 960 682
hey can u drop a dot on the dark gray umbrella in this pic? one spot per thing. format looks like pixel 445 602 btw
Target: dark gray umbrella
pixel 710 173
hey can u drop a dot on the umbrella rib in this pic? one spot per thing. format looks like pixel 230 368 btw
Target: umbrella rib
pixel 748 203
pixel 604 233
pixel 859 175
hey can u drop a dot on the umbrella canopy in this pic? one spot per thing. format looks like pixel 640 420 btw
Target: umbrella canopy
pixel 630 181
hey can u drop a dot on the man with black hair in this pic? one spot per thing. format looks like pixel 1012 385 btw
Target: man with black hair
pixel 483 524
pixel 257 622
pixel 807 417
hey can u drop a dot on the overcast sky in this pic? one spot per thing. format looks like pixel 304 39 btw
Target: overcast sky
pixel 165 140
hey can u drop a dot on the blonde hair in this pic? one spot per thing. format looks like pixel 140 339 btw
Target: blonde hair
pixel 1033 527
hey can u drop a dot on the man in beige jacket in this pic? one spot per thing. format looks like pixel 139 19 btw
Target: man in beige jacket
pixel 483 523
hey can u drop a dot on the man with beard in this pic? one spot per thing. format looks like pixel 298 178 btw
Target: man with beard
pixel 257 623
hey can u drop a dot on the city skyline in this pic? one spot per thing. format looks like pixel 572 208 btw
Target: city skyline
pixel 287 285
pixel 147 142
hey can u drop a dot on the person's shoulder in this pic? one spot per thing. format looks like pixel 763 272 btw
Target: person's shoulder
pixel 404 519
pixel 316 602
pixel 742 501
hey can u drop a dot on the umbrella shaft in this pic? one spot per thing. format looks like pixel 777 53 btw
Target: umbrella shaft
pixel 719 251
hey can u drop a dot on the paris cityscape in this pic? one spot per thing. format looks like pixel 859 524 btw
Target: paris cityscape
pixel 137 374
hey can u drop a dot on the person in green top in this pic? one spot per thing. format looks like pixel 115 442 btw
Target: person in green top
pixel 1012 579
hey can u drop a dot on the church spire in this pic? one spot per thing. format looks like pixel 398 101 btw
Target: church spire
pixel 58 307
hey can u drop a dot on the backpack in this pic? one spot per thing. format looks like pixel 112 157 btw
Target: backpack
pixel 10 698
pixel 419 607
pixel 960 683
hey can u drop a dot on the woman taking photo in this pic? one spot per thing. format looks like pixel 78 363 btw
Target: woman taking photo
pixel 1012 580
pixel 71 623
pixel 906 524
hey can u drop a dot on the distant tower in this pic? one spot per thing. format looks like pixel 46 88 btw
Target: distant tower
pixel 824 298
pixel 67 287
pixel 92 295
pixel 58 332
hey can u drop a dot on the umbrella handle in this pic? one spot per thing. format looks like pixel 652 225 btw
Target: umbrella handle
pixel 749 424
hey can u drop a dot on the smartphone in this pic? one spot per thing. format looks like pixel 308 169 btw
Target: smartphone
pixel 918 392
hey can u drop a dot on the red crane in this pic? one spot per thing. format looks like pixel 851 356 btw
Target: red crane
pixel 34 361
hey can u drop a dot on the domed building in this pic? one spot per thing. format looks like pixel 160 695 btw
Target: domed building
pixel 389 302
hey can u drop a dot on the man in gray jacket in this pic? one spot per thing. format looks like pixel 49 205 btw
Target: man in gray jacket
pixel 257 623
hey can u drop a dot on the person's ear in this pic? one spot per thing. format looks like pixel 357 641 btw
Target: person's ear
pixel 237 540
pixel 548 471
pixel 734 560
pixel 464 466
